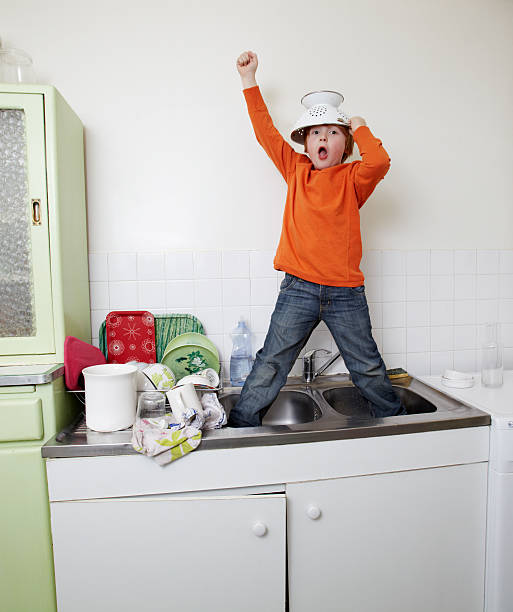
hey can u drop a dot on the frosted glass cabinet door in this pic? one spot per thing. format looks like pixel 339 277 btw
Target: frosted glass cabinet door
pixel 26 317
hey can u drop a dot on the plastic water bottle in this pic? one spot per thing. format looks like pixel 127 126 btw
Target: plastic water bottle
pixel 241 360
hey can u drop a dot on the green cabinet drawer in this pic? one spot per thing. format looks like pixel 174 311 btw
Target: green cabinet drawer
pixel 17 389
pixel 21 419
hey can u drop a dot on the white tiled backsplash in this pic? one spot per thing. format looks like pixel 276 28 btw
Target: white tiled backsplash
pixel 426 306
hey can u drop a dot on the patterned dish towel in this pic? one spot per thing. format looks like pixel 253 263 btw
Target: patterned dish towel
pixel 164 440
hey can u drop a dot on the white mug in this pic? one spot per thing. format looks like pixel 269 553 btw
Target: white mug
pixel 185 404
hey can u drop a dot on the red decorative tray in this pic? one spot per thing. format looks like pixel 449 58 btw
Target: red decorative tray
pixel 130 336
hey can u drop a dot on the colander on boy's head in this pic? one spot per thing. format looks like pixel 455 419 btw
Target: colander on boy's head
pixel 322 108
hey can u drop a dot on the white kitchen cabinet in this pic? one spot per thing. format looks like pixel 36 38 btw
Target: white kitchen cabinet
pixel 396 542
pixel 401 525
pixel 163 553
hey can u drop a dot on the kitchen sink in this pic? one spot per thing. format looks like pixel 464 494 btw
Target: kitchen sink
pixel 330 408
pixel 289 408
pixel 349 402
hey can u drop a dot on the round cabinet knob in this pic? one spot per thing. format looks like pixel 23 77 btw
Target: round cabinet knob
pixel 259 529
pixel 313 512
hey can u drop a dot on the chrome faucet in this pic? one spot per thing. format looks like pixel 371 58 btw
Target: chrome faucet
pixel 309 372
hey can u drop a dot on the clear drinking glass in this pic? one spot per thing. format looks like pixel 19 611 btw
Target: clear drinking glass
pixel 151 405
pixel 491 356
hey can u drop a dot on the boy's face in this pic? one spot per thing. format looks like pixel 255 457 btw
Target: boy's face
pixel 325 145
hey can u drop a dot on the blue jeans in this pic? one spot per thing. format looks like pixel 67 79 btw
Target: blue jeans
pixel 300 307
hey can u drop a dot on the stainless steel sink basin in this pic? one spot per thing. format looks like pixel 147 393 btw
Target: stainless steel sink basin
pixel 349 402
pixel 289 408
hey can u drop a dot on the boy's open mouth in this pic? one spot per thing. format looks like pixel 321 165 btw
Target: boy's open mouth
pixel 322 153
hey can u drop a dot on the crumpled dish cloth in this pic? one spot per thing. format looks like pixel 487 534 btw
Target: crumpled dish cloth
pixel 164 440
pixel 213 411
pixel 187 415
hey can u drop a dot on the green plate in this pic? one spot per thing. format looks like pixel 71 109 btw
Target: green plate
pixel 192 339
pixel 190 359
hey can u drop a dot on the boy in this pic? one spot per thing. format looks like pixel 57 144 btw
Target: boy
pixel 320 251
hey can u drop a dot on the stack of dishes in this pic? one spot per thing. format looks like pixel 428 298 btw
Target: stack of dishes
pixel 189 354
pixel 457 380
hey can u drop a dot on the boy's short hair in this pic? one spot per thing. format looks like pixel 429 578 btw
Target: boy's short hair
pixel 348 151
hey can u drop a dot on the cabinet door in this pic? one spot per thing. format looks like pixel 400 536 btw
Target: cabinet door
pixel 214 554
pixel 26 317
pixel 392 542
pixel 26 569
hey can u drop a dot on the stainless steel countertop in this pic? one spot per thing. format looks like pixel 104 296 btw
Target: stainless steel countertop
pixel 450 414
pixel 36 374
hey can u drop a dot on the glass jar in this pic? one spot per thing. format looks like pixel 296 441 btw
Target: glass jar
pixel 15 66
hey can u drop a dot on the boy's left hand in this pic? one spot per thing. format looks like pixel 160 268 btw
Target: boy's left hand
pixel 356 122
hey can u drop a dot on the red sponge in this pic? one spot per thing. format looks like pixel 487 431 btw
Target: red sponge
pixel 77 356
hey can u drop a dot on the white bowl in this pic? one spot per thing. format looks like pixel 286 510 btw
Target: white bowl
pixel 143 382
pixel 205 378
pixel 196 380
pixel 160 376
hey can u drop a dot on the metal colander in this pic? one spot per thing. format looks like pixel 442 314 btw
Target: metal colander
pixel 322 108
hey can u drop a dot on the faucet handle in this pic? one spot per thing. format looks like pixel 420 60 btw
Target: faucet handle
pixel 310 354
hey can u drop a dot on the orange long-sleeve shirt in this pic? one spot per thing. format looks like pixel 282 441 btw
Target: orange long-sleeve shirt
pixel 320 239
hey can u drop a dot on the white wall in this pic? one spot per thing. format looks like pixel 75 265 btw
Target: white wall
pixel 172 162
pixel 185 208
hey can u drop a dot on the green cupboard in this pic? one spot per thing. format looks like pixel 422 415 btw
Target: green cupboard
pixel 44 291
pixel 44 297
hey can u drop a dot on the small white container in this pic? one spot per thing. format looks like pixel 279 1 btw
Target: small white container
pixel 110 396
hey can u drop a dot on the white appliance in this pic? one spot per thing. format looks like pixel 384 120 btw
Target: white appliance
pixel 498 402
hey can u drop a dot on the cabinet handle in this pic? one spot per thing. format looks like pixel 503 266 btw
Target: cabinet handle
pixel 36 212
pixel 259 529
pixel 313 512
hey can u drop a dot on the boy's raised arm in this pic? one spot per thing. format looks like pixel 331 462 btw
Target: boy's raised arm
pixel 375 160
pixel 247 63
pixel 280 152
